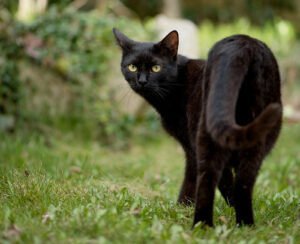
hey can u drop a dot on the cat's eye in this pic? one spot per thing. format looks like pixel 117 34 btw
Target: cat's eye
pixel 156 68
pixel 132 68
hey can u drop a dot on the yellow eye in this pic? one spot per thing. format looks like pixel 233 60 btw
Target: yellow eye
pixel 156 68
pixel 132 68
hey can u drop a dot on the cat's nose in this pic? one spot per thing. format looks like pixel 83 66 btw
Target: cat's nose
pixel 142 82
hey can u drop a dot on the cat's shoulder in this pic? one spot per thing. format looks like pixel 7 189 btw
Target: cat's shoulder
pixel 195 68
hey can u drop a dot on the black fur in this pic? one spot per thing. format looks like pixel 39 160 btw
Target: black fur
pixel 226 113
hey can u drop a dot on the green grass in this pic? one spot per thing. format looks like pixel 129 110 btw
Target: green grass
pixel 59 190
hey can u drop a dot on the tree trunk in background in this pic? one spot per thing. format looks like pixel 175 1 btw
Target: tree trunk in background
pixel 102 5
pixel 25 9
pixel 294 16
pixel 171 8
pixel 28 8
pixel 41 6
pixel 115 6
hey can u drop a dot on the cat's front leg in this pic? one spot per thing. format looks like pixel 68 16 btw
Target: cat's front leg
pixel 188 188
pixel 207 181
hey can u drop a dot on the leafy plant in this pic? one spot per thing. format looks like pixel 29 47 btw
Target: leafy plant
pixel 279 36
pixel 80 48
pixel 10 51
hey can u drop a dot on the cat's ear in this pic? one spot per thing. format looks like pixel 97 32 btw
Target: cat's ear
pixel 169 45
pixel 124 42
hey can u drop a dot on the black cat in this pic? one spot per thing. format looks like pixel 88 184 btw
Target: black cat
pixel 226 113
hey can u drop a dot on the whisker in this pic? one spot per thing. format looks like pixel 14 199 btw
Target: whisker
pixel 128 100
pixel 164 91
pixel 175 83
pixel 160 93
pixel 123 96
pixel 120 85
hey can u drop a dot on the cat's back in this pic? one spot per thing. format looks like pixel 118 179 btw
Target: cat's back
pixel 245 48
pixel 237 50
pixel 239 43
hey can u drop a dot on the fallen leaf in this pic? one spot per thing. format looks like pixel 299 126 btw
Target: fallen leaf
pixel 75 169
pixel 223 219
pixel 135 211
pixel 185 236
pixel 287 240
pixel 12 232
pixel 157 177
pixel 45 218
pixel 26 173
pixel 272 220
pixel 32 43
pixel 112 187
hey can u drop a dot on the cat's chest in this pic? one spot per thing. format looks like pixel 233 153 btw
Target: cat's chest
pixel 193 112
pixel 182 123
pixel 177 126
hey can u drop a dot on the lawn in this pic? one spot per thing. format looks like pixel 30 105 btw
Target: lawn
pixel 58 189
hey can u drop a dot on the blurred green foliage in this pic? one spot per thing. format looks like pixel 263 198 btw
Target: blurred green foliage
pixel 60 4
pixel 279 36
pixel 79 47
pixel 256 11
pixel 144 9
pixel 9 87
pixel 10 5
pixel 10 51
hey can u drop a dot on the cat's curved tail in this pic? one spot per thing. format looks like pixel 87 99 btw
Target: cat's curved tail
pixel 225 84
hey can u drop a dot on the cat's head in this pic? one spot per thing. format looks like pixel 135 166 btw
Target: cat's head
pixel 149 68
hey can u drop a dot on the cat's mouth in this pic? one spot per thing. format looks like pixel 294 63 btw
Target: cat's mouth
pixel 151 92
pixel 143 89
pixel 137 87
pixel 148 90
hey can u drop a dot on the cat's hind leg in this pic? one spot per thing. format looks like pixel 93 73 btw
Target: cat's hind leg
pixel 210 167
pixel 226 185
pixel 246 173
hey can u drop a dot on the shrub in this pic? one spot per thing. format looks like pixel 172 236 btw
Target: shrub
pixel 80 48
pixel 10 51
pixel 279 36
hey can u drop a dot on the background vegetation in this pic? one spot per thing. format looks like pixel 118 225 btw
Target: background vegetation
pixel 78 165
